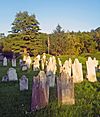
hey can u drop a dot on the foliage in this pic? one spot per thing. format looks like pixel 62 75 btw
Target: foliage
pixel 25 23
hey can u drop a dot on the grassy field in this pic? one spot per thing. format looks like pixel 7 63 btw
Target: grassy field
pixel 14 103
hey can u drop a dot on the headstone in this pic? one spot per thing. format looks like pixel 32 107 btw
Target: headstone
pixel 77 71
pixel 65 90
pixel 50 78
pixel 60 65
pixel 12 75
pixel 5 78
pixel 14 62
pixel 23 83
pixel 20 62
pixel 28 61
pixel 36 63
pixel 91 72
pixel 51 71
pixel 4 61
pixel 67 66
pixel 24 67
pixel 40 92
pixel 43 61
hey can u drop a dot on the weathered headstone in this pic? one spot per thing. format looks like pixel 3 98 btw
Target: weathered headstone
pixel 23 83
pixel 77 71
pixel 50 78
pixel 65 90
pixel 4 61
pixel 43 61
pixel 67 66
pixel 14 62
pixel 28 61
pixel 60 65
pixel 12 75
pixel 91 72
pixel 40 92
pixel 36 63
pixel 51 71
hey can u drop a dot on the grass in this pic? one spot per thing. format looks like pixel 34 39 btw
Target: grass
pixel 15 103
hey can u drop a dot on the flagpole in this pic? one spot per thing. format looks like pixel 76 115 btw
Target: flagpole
pixel 48 44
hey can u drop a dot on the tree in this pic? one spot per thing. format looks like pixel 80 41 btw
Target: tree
pixel 25 23
pixel 58 29
pixel 2 35
pixel 57 41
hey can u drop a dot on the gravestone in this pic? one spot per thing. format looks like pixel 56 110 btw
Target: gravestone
pixel 50 78
pixel 77 71
pixel 23 83
pixel 12 75
pixel 28 61
pixel 5 78
pixel 14 62
pixel 40 92
pixel 20 62
pixel 51 71
pixel 67 67
pixel 24 67
pixel 60 65
pixel 36 63
pixel 43 61
pixel 65 90
pixel 91 72
pixel 4 61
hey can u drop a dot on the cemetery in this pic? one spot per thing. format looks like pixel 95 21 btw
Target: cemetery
pixel 51 67
pixel 62 87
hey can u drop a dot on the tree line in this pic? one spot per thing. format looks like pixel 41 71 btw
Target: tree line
pixel 25 33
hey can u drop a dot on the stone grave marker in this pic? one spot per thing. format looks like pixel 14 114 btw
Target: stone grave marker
pixel 77 71
pixel 40 92
pixel 91 72
pixel 65 90
pixel 4 61
pixel 23 83
pixel 12 75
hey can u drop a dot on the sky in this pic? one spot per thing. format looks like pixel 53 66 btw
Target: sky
pixel 72 15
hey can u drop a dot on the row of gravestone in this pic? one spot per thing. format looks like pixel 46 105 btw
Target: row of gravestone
pixel 40 88
pixel 74 69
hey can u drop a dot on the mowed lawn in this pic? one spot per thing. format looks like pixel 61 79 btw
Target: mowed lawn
pixel 16 103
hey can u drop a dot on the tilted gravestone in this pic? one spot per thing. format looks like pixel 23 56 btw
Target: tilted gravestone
pixel 65 90
pixel 40 92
